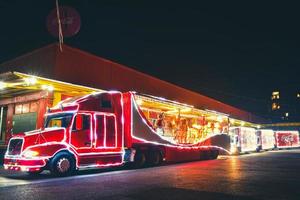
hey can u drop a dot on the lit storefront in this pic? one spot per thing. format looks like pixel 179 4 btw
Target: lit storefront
pixel 25 99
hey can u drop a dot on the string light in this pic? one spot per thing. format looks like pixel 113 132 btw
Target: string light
pixel 2 85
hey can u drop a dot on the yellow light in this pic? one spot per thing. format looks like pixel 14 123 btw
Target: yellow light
pixel 196 126
pixel 30 81
pixel 258 126
pixel 48 87
pixel 2 85
pixel 139 102
pixel 242 123
pixel 186 110
pixel 30 154
pixel 219 118
pixel 232 121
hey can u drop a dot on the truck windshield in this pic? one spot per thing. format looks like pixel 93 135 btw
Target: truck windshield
pixel 58 120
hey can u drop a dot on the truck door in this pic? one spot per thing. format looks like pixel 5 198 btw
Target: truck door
pixel 81 136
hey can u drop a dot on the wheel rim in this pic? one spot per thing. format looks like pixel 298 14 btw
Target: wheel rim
pixel 63 165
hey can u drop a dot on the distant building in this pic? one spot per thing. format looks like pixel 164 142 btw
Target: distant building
pixel 285 105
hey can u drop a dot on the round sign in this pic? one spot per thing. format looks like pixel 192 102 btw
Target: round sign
pixel 69 18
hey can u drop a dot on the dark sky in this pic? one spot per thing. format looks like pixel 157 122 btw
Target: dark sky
pixel 235 52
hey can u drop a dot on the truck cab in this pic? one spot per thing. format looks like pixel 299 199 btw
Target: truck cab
pixel 78 133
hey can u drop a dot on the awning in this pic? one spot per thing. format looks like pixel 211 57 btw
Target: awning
pixel 15 83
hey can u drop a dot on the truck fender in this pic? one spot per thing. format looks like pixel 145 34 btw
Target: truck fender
pixel 49 150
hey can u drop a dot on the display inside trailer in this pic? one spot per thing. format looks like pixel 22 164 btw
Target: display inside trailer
pixel 287 139
pixel 181 124
pixel 243 139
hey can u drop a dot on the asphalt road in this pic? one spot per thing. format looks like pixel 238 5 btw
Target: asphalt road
pixel 267 175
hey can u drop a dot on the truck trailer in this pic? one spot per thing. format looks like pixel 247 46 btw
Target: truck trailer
pixel 265 139
pixel 243 139
pixel 287 139
pixel 97 130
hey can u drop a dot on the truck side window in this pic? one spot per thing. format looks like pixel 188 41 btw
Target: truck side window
pixel 82 121
pixel 105 103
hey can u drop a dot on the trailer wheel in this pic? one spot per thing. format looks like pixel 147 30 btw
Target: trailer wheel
pixel 63 164
pixel 139 159
pixel 154 158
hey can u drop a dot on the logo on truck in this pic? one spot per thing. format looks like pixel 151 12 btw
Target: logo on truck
pixel 287 138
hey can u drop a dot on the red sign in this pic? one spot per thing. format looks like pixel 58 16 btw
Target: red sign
pixel 286 139
pixel 69 18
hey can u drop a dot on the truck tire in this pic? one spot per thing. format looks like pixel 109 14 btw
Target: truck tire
pixel 63 164
pixel 139 159
pixel 154 158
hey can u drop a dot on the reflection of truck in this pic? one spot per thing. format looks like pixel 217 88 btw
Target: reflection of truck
pixel 265 139
pixel 287 139
pixel 97 130
pixel 243 139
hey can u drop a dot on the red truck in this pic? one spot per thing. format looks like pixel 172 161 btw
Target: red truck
pixel 97 130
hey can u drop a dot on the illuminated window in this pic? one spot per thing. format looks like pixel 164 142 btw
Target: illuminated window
pixel 18 109
pixel 287 114
pixel 275 106
pixel 26 108
pixel 275 95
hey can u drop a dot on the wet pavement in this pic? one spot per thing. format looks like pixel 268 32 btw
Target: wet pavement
pixel 267 175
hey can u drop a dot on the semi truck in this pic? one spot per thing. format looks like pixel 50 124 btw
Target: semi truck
pixel 97 130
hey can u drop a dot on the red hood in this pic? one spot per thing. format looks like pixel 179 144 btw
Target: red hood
pixel 37 137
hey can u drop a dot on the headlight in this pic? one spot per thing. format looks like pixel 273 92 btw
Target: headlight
pixel 30 154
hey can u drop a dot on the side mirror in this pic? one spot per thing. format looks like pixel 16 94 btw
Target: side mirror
pixel 79 122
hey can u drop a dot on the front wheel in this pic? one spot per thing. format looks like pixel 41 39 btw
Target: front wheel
pixel 63 164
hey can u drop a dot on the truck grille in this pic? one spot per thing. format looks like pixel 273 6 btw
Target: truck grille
pixel 15 147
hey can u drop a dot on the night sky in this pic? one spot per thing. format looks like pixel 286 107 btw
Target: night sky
pixel 234 52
